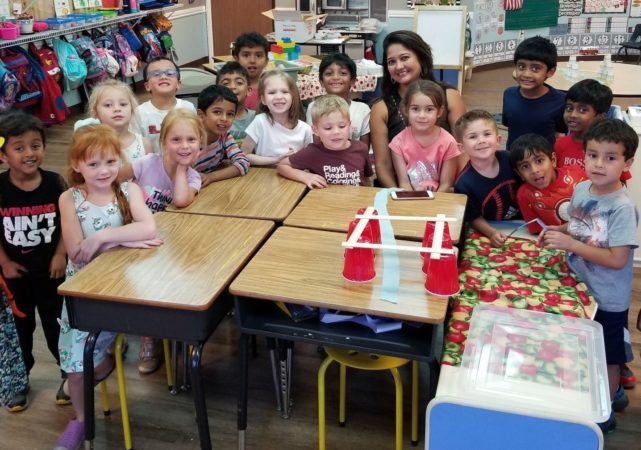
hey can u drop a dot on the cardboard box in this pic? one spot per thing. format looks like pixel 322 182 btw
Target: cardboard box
pixel 293 24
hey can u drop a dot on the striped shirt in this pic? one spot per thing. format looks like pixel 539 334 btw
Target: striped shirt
pixel 211 157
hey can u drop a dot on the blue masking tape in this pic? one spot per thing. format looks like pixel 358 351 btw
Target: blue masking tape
pixel 391 263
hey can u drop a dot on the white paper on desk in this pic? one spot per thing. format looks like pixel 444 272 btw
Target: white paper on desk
pixel 375 323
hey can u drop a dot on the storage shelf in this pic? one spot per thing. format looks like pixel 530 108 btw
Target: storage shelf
pixel 43 35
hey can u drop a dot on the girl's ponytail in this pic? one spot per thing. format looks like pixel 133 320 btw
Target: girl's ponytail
pixel 123 203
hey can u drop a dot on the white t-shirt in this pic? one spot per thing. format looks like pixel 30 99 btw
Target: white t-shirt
pixel 358 116
pixel 273 139
pixel 150 118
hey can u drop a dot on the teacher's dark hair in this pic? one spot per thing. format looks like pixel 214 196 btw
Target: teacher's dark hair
pixel 414 43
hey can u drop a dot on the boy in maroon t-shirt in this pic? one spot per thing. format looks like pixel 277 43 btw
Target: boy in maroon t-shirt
pixel 336 160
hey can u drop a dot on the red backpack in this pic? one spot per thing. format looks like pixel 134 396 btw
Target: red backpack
pixel 25 69
pixel 48 60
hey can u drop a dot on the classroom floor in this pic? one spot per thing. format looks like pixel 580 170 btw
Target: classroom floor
pixel 161 421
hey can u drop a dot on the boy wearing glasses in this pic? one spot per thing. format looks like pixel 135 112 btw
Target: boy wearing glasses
pixel 162 81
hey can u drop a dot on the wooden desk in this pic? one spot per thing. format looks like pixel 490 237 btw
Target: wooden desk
pixel 625 82
pixel 169 291
pixel 334 207
pixel 305 266
pixel 260 194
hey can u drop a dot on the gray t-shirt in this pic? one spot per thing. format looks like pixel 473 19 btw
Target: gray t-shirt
pixel 237 129
pixel 604 221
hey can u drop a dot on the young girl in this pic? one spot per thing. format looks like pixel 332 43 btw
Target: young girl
pixel 113 103
pixel 97 213
pixel 278 131
pixel 163 180
pixel 424 154
pixel 217 106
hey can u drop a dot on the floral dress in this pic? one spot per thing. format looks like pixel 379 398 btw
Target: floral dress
pixel 13 374
pixel 135 150
pixel 71 344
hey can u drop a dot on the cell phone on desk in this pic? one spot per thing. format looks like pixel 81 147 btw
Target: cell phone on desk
pixel 412 195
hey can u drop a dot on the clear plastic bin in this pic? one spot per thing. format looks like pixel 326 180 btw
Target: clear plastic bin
pixel 527 361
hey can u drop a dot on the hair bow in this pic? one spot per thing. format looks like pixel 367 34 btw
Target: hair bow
pixel 84 122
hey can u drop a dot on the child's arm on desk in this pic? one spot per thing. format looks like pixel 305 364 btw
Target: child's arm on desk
pixel 248 147
pixel 496 237
pixel 557 237
pixel 311 180
pixel 401 171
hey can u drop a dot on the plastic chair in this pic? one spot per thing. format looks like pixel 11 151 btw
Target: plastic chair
pixel 634 43
pixel 122 390
pixel 193 81
pixel 367 361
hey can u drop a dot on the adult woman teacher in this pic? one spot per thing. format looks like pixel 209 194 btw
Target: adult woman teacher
pixel 406 58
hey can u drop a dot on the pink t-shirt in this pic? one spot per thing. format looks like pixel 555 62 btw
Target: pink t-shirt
pixel 251 101
pixel 423 164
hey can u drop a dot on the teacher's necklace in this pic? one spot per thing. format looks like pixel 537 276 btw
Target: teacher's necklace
pixel 398 111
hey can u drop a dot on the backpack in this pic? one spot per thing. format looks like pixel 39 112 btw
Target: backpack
pixel 22 65
pixel 113 67
pixel 74 69
pixel 161 22
pixel 96 63
pixel 53 109
pixel 48 60
pixel 126 57
pixel 151 46
pixel 166 41
pixel 9 87
pixel 128 32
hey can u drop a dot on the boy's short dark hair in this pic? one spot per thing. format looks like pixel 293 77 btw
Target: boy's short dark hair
pixel 159 58
pixel 613 130
pixel 251 39
pixel 537 48
pixel 529 144
pixel 341 60
pixel 593 93
pixel 213 93
pixel 472 116
pixel 232 67
pixel 16 122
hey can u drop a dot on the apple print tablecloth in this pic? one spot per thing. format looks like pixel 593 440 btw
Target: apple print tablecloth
pixel 309 85
pixel 519 275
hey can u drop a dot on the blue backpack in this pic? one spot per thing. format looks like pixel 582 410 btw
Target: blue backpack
pixel 96 63
pixel 73 67
pixel 9 87
pixel 28 73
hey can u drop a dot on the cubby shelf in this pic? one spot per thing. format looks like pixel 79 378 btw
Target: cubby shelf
pixel 43 35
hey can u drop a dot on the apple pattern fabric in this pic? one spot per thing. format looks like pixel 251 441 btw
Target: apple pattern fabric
pixel 520 275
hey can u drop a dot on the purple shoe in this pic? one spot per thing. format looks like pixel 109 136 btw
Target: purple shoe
pixel 72 437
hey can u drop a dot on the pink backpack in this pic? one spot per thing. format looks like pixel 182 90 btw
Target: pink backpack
pixel 126 57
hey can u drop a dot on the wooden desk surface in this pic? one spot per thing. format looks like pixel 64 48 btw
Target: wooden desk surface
pixel 305 266
pixel 260 194
pixel 200 256
pixel 334 207
pixel 625 82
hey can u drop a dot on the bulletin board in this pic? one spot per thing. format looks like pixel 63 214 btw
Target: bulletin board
pixel 443 28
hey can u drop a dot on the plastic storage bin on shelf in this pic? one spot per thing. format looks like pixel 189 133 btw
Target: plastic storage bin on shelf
pixel 61 23
pixel 528 361
pixel 9 31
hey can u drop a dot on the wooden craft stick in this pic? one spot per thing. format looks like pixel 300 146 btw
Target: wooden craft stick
pixel 360 226
pixel 437 242
pixel 445 251
pixel 413 218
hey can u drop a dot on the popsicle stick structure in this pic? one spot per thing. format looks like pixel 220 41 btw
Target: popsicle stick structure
pixel 437 250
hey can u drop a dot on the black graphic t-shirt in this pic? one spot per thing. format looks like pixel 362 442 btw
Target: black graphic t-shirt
pixel 31 221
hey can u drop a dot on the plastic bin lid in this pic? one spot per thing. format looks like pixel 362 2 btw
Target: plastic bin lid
pixel 536 363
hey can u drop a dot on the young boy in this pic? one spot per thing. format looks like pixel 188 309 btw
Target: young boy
pixel 585 101
pixel 487 179
pixel 546 191
pixel 162 81
pixel 337 74
pixel 336 160
pixel 533 106
pixel 235 77
pixel 217 107
pixel 32 254
pixel 251 50
pixel 600 239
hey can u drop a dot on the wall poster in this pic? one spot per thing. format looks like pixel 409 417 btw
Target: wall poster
pixel 604 6
pixel 571 8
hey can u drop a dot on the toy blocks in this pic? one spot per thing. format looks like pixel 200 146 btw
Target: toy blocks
pixel 285 50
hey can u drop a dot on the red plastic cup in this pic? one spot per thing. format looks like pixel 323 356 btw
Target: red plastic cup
pixel 374 225
pixel 442 275
pixel 358 264
pixel 428 237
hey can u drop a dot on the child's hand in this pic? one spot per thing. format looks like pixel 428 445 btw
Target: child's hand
pixel 12 269
pixel 57 266
pixel 205 180
pixel 557 240
pixel 88 248
pixel 149 243
pixel 315 181
pixel 498 239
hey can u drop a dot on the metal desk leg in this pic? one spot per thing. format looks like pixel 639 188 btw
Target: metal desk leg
pixel 271 346
pixel 285 351
pixel 174 367
pixel 185 385
pixel 199 397
pixel 242 394
pixel 88 380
